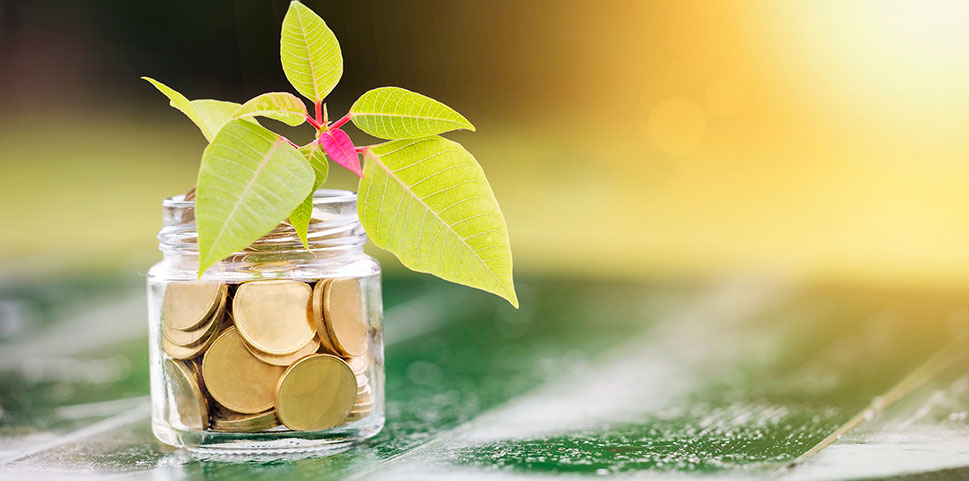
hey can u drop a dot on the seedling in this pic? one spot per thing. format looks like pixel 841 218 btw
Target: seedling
pixel 420 196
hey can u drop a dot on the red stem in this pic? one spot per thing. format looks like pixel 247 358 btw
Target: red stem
pixel 319 113
pixel 339 123
pixel 313 122
pixel 290 142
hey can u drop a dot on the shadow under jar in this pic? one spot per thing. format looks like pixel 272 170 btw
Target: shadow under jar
pixel 277 348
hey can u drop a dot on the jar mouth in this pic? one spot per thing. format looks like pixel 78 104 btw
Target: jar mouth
pixel 322 197
pixel 333 227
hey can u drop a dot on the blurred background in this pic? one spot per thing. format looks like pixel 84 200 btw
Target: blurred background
pixel 822 140
pixel 740 229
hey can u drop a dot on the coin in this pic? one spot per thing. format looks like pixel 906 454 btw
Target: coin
pixel 343 316
pixel 359 411
pixel 235 378
pixel 182 352
pixel 363 402
pixel 317 392
pixel 359 364
pixel 197 336
pixel 286 359
pixel 362 381
pixel 355 416
pixel 233 422
pixel 190 404
pixel 274 316
pixel 326 346
pixel 187 305
pixel 196 368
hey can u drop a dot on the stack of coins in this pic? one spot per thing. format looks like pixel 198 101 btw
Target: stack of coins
pixel 252 356
pixel 192 315
pixel 338 316
pixel 228 421
pixel 363 405
pixel 190 402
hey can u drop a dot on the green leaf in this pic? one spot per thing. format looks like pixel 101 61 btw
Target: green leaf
pixel 250 180
pixel 310 53
pixel 213 114
pixel 301 215
pixel 282 106
pixel 208 115
pixel 395 113
pixel 428 201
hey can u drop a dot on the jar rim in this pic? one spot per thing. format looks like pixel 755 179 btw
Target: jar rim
pixel 320 197
pixel 334 225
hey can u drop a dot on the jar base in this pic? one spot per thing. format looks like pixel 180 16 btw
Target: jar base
pixel 273 443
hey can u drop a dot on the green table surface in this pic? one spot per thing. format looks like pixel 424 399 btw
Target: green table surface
pixel 735 378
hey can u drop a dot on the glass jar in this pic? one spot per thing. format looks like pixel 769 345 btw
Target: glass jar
pixel 277 348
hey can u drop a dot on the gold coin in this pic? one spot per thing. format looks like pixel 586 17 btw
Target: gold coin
pixel 286 359
pixel 343 316
pixel 233 422
pixel 359 364
pixel 274 316
pixel 190 405
pixel 196 367
pixel 326 346
pixel 364 401
pixel 356 416
pixel 188 338
pixel 193 366
pixel 360 411
pixel 197 336
pixel 362 380
pixel 187 305
pixel 235 378
pixel 317 392
pixel 181 352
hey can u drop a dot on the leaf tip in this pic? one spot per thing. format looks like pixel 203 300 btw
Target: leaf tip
pixel 205 258
pixel 202 268
pixel 302 231
pixel 305 242
pixel 467 123
pixel 158 85
pixel 511 296
pixel 514 300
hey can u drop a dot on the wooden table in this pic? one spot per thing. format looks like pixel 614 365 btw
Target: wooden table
pixel 733 378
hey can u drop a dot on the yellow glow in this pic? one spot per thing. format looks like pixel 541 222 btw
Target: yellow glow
pixel 676 126
pixel 724 97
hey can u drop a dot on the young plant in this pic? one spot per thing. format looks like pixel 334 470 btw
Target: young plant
pixel 420 196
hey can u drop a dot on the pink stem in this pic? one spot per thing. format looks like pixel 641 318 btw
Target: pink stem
pixel 319 113
pixel 313 122
pixel 290 142
pixel 363 150
pixel 339 123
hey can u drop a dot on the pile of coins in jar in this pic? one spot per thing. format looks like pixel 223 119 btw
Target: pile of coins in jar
pixel 253 356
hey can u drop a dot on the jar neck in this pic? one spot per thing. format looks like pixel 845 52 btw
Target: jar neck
pixel 334 232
